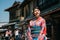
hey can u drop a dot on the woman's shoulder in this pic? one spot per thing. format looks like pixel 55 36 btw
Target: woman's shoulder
pixel 42 18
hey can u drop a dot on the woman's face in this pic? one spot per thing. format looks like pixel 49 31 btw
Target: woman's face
pixel 36 13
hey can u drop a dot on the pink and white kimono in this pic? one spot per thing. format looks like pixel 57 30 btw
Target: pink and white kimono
pixel 37 29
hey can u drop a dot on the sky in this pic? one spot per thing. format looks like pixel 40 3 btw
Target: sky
pixel 4 15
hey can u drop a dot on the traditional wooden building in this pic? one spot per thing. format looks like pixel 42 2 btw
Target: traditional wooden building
pixel 14 12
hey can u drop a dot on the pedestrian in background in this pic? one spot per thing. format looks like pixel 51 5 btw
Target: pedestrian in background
pixel 8 34
pixel 16 32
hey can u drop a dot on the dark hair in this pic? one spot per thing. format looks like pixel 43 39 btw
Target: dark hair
pixel 35 8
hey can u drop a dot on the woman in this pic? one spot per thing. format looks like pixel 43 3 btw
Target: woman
pixel 37 27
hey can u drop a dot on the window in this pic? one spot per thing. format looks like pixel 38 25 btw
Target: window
pixel 22 12
pixel 17 13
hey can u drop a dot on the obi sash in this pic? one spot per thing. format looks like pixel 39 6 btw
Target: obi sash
pixel 35 30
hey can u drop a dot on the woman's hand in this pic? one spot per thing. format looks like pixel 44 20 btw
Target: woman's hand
pixel 30 38
pixel 41 37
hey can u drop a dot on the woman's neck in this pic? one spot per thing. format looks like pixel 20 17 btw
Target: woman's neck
pixel 37 17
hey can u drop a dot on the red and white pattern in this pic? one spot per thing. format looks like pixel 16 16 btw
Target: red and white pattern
pixel 39 22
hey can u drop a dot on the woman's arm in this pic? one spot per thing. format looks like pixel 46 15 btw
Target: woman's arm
pixel 29 33
pixel 43 30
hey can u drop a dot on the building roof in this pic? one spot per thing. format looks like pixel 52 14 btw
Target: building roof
pixel 15 4
pixel 9 24
pixel 50 12
pixel 3 30
pixel 25 2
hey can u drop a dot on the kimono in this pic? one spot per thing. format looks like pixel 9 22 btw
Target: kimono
pixel 37 29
